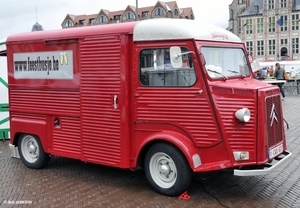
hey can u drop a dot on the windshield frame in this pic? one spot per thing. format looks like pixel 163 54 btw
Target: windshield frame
pixel 225 62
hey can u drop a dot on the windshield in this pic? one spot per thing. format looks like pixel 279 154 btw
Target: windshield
pixel 225 62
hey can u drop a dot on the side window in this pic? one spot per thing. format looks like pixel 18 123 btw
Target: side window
pixel 156 69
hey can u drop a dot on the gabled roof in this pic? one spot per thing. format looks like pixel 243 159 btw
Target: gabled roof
pixel 186 11
pixel 168 6
pixel 71 17
pixel 255 8
pixel 171 4
pixel 105 11
pixel 116 13
pixel 251 10
pixel 132 8
pixel 76 18
pixel 296 5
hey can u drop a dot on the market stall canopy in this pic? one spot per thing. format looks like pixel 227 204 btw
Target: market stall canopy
pixel 255 66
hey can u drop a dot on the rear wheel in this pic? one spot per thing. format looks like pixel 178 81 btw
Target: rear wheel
pixel 31 151
pixel 167 170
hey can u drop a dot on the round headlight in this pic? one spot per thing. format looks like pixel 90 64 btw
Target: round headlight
pixel 243 114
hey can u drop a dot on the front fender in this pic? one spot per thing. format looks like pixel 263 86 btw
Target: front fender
pixel 183 143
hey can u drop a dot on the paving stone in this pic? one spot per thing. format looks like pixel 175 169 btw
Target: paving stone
pixel 72 183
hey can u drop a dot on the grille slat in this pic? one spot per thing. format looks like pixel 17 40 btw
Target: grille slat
pixel 274 120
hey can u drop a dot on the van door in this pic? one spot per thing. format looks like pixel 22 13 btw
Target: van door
pixel 104 100
pixel 169 99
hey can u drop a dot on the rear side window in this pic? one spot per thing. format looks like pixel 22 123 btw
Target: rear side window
pixel 156 69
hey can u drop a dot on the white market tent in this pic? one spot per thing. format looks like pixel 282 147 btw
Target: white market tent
pixel 2 47
pixel 4 116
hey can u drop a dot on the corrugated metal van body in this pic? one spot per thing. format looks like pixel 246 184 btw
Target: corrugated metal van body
pixel 105 99
pixel 184 110
pixel 36 103
pixel 83 114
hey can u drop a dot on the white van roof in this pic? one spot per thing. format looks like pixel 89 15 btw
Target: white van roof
pixel 167 28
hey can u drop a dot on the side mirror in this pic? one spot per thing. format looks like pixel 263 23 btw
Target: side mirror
pixel 175 56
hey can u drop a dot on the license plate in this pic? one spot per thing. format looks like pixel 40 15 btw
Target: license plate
pixel 275 151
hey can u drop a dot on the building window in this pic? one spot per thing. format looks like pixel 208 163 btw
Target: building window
pixel 295 45
pixel 260 48
pixel 159 12
pixel 248 25
pixel 117 18
pixel 102 19
pixel 260 25
pixel 272 24
pixel 231 14
pixel 129 16
pixel 295 22
pixel 81 23
pixel 283 42
pixel 271 4
pixel 191 16
pixel 156 69
pixel 249 46
pixel 256 9
pixel 144 15
pixel 285 24
pixel 272 47
pixel 176 13
pixel 69 23
pixel 283 3
pixel 91 22
pixel 241 2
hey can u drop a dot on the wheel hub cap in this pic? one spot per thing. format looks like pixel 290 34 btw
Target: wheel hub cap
pixel 165 169
pixel 32 148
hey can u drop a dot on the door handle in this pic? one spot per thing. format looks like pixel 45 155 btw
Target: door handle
pixel 115 101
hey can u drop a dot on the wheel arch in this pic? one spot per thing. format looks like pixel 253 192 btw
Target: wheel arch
pixel 32 125
pixel 184 144
pixel 17 135
pixel 15 138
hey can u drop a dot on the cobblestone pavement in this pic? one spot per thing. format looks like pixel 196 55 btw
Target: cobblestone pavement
pixel 71 183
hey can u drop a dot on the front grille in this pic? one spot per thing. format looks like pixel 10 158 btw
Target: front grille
pixel 274 120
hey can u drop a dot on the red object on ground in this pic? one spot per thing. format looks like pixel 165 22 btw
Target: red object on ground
pixel 184 196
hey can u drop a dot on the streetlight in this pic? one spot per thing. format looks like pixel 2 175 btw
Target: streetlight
pixel 292 48
pixel 136 10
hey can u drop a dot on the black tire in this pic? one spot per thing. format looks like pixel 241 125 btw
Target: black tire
pixel 167 169
pixel 31 151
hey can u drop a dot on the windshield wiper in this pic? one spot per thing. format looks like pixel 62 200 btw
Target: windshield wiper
pixel 216 72
pixel 236 72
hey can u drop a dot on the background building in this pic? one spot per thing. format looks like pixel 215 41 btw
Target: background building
pixel 159 10
pixel 37 27
pixel 269 28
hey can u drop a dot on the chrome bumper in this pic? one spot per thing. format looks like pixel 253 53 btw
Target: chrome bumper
pixel 14 151
pixel 266 169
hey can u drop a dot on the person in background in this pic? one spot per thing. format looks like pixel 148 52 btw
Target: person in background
pixel 261 73
pixel 271 71
pixel 292 73
pixel 279 75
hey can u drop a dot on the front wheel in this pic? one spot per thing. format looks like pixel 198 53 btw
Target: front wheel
pixel 167 170
pixel 31 151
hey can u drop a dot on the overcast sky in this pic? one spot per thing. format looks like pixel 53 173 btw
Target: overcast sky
pixel 18 16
